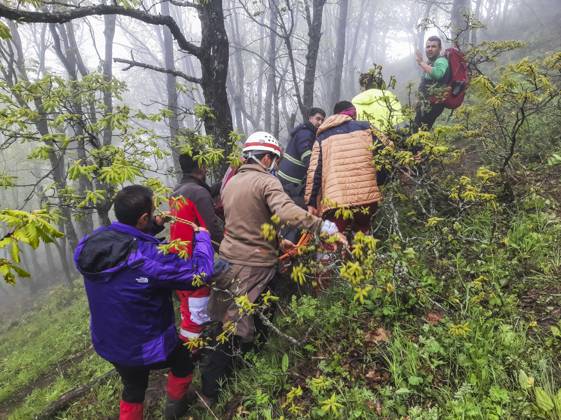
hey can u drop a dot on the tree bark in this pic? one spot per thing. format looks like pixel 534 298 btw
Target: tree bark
pixel 314 20
pixel 339 52
pixel 350 80
pixel 70 57
pixel 460 32
pixel 476 15
pixel 214 58
pixel 271 62
pixel 171 89
pixel 109 33
pixel 237 78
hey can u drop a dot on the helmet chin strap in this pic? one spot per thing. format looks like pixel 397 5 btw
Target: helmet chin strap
pixel 270 169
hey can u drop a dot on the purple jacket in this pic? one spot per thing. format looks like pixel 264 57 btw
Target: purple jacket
pixel 128 282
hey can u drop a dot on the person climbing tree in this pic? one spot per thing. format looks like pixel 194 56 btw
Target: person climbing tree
pixel 128 283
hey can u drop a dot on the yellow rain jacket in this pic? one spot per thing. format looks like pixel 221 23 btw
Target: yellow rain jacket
pixel 380 108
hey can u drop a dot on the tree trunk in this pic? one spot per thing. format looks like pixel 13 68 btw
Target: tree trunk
pixel 271 62
pixel 63 256
pixel 314 36
pixel 258 107
pixel 109 33
pixel 237 78
pixel 50 263
pixel 421 34
pixel 339 52
pixel 350 80
pixel 171 89
pixel 214 58
pixel 70 57
pixel 57 162
pixel 460 33
pixel 477 15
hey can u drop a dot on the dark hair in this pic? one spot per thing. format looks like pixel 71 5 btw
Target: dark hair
pixel 434 38
pixel 187 163
pixel 341 106
pixel 372 79
pixel 132 202
pixel 313 111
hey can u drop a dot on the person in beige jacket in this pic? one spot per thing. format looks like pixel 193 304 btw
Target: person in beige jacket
pixel 248 260
pixel 341 172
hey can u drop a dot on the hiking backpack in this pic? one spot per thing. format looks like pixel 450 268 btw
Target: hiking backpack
pixel 459 79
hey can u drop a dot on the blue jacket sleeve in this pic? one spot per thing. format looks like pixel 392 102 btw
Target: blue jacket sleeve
pixel 304 141
pixel 173 272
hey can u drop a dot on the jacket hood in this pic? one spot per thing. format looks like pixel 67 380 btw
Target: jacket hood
pixel 333 121
pixel 304 126
pixel 107 251
pixel 370 96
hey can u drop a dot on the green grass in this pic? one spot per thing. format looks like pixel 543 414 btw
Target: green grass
pixel 47 353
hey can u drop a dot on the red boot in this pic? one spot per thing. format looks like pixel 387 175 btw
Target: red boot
pixel 130 411
pixel 177 403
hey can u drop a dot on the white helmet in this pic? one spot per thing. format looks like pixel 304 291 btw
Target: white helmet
pixel 261 141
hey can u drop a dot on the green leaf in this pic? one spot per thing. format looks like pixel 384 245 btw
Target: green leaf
pixel 415 380
pixel 5 31
pixel 543 399
pixel 15 252
pixel 555 331
pixel 523 380
pixel 284 363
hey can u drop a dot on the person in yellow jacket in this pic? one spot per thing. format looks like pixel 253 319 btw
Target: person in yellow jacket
pixel 375 103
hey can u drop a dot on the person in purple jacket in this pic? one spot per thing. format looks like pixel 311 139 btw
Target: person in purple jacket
pixel 128 283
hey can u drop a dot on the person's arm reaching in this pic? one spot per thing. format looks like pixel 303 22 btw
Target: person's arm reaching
pixel 172 271
pixel 289 213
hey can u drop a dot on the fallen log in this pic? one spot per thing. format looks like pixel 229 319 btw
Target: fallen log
pixel 67 398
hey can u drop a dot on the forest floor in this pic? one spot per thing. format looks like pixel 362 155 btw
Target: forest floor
pixel 451 346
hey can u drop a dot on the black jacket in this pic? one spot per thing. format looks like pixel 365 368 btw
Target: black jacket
pixel 199 193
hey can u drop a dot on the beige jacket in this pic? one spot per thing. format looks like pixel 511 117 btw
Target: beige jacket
pixel 347 176
pixel 250 198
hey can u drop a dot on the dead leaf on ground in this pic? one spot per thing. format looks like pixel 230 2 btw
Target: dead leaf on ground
pixel 379 336
pixel 434 318
pixel 377 376
pixel 375 406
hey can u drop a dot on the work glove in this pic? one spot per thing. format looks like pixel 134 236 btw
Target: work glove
pixel 329 227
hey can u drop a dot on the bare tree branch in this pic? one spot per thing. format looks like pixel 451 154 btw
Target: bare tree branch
pixel 27 16
pixel 177 73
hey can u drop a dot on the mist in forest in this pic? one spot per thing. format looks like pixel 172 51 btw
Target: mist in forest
pixel 237 65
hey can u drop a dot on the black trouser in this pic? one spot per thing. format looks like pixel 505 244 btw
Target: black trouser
pixel 426 114
pixel 296 193
pixel 135 378
pixel 220 362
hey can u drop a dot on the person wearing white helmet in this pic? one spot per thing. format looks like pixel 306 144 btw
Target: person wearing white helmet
pixel 247 258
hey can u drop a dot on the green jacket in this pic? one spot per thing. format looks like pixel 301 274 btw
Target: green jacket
pixel 439 69
pixel 380 108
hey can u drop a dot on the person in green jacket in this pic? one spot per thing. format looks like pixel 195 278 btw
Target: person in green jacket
pixel 436 75
pixel 375 104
